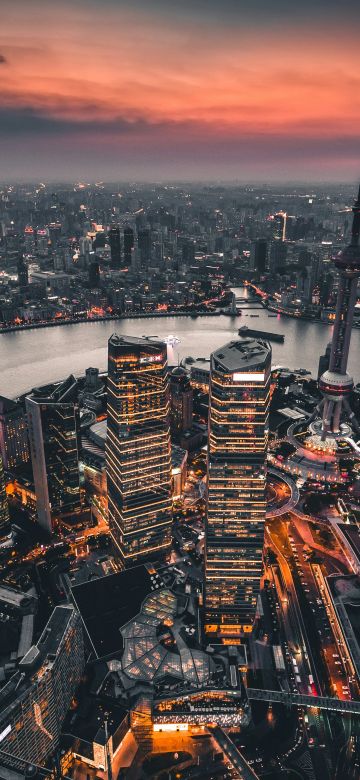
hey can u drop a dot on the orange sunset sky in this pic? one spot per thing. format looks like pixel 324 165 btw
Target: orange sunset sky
pixel 159 90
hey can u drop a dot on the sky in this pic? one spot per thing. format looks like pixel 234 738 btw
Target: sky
pixel 154 90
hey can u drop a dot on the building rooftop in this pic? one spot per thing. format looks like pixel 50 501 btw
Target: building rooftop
pixel 241 355
pixel 140 341
pixel 108 603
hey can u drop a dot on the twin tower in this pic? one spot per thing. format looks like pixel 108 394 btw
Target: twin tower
pixel 138 453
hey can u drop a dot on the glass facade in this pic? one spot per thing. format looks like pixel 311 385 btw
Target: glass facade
pixel 238 438
pixel 53 426
pixel 138 454
pixel 14 444
pixel 4 507
pixel 35 701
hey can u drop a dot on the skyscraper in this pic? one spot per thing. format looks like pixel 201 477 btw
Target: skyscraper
pixel 115 247
pixel 4 506
pixel 279 232
pixel 181 402
pixel 38 695
pixel 144 245
pixel 336 384
pixel 259 256
pixel 22 271
pixel 53 433
pixel 94 272
pixel 128 244
pixel 238 436
pixel 14 443
pixel 138 449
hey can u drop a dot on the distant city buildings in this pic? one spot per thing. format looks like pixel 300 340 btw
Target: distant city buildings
pixel 238 437
pixel 53 427
pixel 138 449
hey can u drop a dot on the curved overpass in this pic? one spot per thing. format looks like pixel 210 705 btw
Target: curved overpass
pixel 287 506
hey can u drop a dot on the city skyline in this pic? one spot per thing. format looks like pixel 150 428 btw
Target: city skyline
pixel 110 91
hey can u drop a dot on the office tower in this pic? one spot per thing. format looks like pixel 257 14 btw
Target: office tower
pixel 128 244
pixel 181 402
pixel 326 288
pixel 138 454
pixel 4 506
pixel 53 424
pixel 238 436
pixel 278 253
pixel 336 384
pixel 259 256
pixel 92 381
pixel 144 246
pixel 188 251
pixel 279 227
pixel 85 248
pixel 115 247
pixel 37 697
pixel 22 272
pixel 324 361
pixel 14 443
pixel 94 272
pixel 29 239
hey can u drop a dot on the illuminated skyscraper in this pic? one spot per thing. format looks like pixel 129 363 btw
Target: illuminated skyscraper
pixel 54 445
pixel 238 436
pixel 4 506
pixel 279 232
pixel 181 405
pixel 336 384
pixel 14 444
pixel 138 449
pixel 38 695
pixel 115 247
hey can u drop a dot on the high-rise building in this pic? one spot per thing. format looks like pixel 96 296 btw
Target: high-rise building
pixel 115 247
pixel 94 272
pixel 38 695
pixel 188 251
pixel 4 506
pixel 279 231
pixel 53 425
pixel 14 443
pixel 128 244
pixel 181 402
pixel 238 436
pixel 336 384
pixel 259 256
pixel 22 271
pixel 278 254
pixel 144 246
pixel 138 452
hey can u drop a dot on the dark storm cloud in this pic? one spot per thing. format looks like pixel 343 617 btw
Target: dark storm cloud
pixel 27 121
pixel 256 10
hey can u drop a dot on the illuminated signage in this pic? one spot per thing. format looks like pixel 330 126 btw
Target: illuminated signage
pixel 5 733
pixel 239 377
pixel 151 359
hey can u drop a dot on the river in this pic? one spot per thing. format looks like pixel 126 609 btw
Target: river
pixel 35 357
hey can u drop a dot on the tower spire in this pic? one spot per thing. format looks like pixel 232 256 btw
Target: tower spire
pixel 336 384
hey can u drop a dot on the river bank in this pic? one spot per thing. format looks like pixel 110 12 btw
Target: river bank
pixel 110 318
pixel 34 357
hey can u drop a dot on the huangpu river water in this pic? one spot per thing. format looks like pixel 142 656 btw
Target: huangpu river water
pixel 35 357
